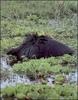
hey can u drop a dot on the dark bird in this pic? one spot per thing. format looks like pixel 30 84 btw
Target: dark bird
pixel 35 46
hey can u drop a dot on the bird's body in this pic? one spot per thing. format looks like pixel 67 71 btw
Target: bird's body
pixel 35 46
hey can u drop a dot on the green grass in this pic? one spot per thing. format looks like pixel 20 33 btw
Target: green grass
pixel 38 92
pixel 51 9
pixel 34 16
pixel 13 33
pixel 43 67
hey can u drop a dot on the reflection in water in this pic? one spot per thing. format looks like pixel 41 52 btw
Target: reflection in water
pixel 13 78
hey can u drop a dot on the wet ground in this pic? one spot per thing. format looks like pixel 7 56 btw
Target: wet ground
pixel 11 79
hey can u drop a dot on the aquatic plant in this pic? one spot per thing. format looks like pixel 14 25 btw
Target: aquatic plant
pixel 59 79
pixel 41 68
pixel 39 91
pixel 20 96
pixel 8 92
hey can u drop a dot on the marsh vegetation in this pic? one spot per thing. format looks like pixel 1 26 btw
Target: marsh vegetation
pixel 49 78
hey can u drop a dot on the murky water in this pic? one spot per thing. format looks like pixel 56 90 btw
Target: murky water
pixel 14 78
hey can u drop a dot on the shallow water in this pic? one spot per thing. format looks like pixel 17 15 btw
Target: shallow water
pixel 14 78
pixel 72 77
pixel 4 64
